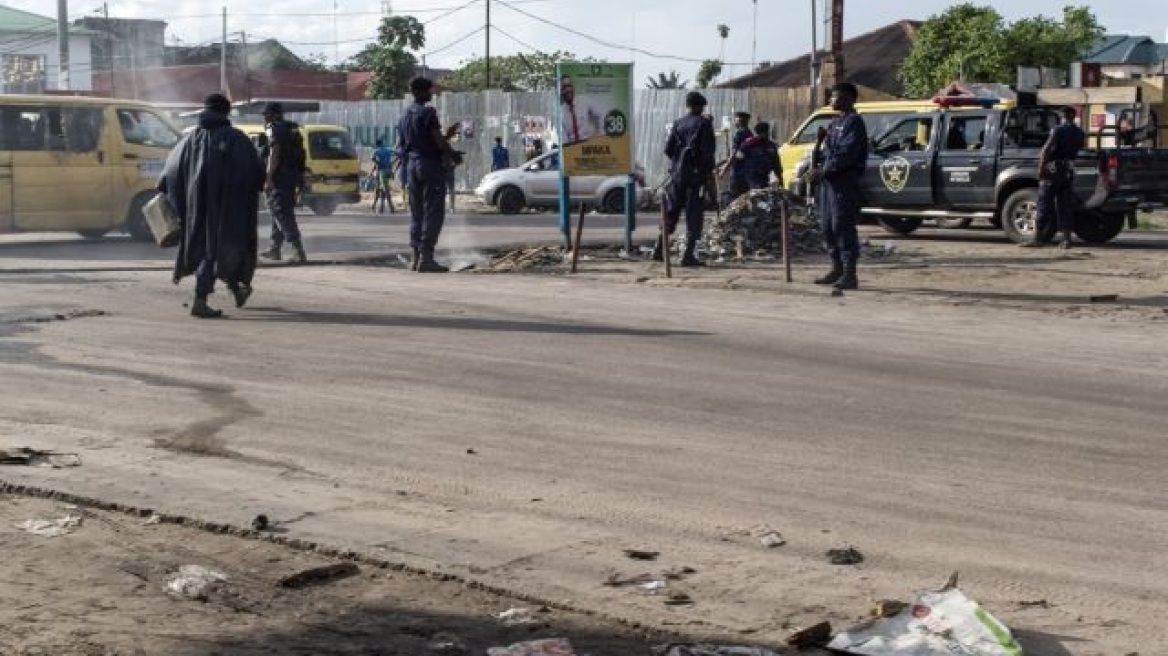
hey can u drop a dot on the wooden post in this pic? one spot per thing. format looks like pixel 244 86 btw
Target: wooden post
pixel 665 254
pixel 579 233
pixel 784 219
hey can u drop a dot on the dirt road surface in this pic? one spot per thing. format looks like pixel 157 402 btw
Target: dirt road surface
pixel 523 430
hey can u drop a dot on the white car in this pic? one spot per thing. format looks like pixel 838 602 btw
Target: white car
pixel 537 184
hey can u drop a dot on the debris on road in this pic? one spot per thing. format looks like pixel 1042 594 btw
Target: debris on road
pixel 673 649
pixel 194 582
pixel 318 575
pixel 637 554
pixel 517 617
pixel 752 223
pixel 678 599
pixel 888 608
pixel 23 455
pixel 848 556
pixel 546 647
pixel 260 523
pixel 51 528
pixel 937 622
pixel 524 258
pixel 654 586
pixel 678 574
pixel 772 539
pixel 813 636
pixel 616 580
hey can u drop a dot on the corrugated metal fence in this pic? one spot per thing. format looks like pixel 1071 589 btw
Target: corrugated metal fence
pixel 490 114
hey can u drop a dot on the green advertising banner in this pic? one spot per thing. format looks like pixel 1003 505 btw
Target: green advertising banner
pixel 595 118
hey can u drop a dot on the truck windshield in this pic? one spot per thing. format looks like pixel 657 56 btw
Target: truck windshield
pixel 331 144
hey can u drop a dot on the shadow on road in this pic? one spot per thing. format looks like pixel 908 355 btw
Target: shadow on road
pixel 1042 299
pixel 453 323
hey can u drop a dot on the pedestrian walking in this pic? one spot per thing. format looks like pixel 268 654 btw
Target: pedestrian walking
pixel 844 159
pixel 1056 179
pixel 760 158
pixel 285 174
pixel 383 158
pixel 500 156
pixel 212 179
pixel 690 149
pixel 420 138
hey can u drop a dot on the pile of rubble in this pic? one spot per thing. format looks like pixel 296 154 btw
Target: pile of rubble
pixel 523 259
pixel 754 220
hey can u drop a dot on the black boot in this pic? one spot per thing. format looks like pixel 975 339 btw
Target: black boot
pixel 241 293
pixel 833 276
pixel 688 259
pixel 273 253
pixel 298 254
pixel 417 257
pixel 426 264
pixel 657 254
pixel 848 280
pixel 201 310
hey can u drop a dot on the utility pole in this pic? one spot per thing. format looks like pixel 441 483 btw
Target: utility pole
pixel 814 58
pixel 63 44
pixel 246 69
pixel 223 58
pixel 488 32
pixel 754 40
pixel 109 50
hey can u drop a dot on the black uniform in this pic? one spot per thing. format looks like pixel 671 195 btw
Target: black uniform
pixel 690 148
pixel 840 201
pixel 760 158
pixel 1056 194
pixel 738 182
pixel 426 175
pixel 282 198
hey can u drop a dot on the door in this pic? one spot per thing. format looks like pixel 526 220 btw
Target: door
pixel 543 177
pixel 7 224
pixel 60 178
pixel 964 175
pixel 899 165
pixel 139 146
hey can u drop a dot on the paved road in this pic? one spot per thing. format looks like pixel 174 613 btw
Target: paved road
pixel 522 430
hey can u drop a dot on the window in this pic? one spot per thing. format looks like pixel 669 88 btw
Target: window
pixel 331 145
pixel 22 74
pixel 809 134
pixel 143 128
pixel 966 133
pixel 1030 127
pixel 908 135
pixel 72 129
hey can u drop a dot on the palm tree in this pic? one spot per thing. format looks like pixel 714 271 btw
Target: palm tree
pixel 663 81
pixel 723 33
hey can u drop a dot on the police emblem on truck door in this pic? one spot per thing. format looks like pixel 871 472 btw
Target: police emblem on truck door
pixel 894 171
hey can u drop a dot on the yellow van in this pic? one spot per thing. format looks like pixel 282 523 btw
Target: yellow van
pixel 84 165
pixel 334 173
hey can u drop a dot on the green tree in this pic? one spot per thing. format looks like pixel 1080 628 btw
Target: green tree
pixel 974 42
pixel 523 72
pixel 708 71
pixel 391 59
pixel 663 81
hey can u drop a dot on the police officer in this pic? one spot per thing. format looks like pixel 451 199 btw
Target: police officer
pixel 420 138
pixel 690 149
pixel 760 158
pixel 845 156
pixel 1056 179
pixel 738 182
pixel 284 178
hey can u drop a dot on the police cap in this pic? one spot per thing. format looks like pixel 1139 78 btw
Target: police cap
pixel 695 99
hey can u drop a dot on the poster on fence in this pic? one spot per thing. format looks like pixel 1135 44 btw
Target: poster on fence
pixel 595 118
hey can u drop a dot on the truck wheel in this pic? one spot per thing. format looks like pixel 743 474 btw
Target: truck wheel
pixel 1099 227
pixel 136 221
pixel 960 223
pixel 509 200
pixel 614 202
pixel 899 225
pixel 1020 218
pixel 323 206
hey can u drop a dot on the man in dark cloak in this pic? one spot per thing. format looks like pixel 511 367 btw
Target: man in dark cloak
pixel 213 179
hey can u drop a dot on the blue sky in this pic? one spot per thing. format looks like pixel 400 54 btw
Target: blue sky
pixel 682 30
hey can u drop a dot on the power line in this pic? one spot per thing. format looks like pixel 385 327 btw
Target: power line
pixel 516 40
pixel 609 44
pixel 454 43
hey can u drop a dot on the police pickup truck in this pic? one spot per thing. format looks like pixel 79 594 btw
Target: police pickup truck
pixel 981 161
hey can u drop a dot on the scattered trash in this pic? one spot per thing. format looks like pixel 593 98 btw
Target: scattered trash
pixel 1038 603
pixel 471 452
pixel 525 258
pixel 194 582
pixel 516 617
pixel 653 586
pixel 51 528
pixel 888 608
pixel 318 575
pixel 937 622
pixel 849 556
pixel 445 643
pixel 637 554
pixel 260 523
pixel 678 599
pixel 710 650
pixel 1103 298
pixel 678 574
pixel 546 647
pixel 751 225
pixel 24 455
pixel 772 539
pixel 618 581
pixel 154 519
pixel 814 636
